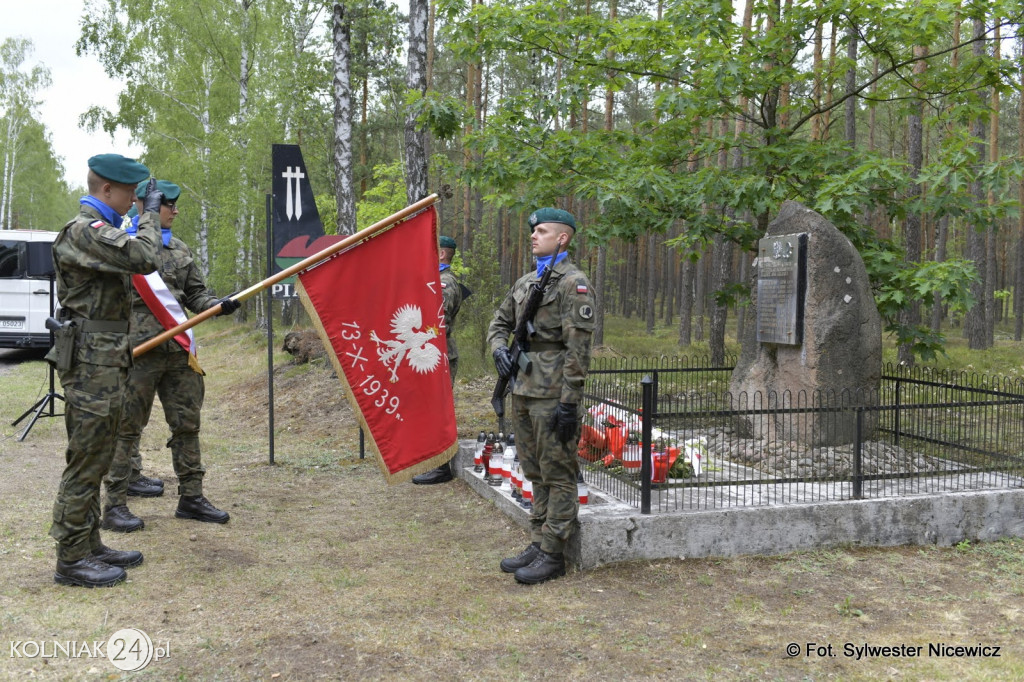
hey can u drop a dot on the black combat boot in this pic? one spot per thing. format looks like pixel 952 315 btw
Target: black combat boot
pixel 544 567
pixel 153 482
pixel 441 474
pixel 116 557
pixel 141 487
pixel 521 560
pixel 88 572
pixel 121 520
pixel 199 508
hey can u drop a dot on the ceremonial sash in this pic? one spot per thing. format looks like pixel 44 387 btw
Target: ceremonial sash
pixel 168 312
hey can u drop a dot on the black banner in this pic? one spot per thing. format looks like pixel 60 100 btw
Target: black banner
pixel 298 230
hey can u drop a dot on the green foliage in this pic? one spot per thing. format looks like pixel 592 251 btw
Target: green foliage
pixel 385 198
pixel 327 207
pixel 478 270
pixel 442 115
pixel 896 285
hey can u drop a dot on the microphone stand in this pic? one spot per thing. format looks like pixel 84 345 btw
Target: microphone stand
pixel 48 399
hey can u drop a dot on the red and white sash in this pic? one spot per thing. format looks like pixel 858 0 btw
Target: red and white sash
pixel 162 303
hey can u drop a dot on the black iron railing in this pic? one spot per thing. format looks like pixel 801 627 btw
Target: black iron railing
pixel 921 431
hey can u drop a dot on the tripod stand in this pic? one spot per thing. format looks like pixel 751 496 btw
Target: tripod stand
pixel 47 400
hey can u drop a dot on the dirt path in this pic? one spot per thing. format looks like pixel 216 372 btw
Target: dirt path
pixel 325 572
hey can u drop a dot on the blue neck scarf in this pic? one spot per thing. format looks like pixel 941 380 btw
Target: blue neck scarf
pixel 444 266
pixel 545 261
pixel 133 228
pixel 109 214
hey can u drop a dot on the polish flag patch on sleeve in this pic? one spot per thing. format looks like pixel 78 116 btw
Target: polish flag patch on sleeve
pixel 581 288
pixel 97 223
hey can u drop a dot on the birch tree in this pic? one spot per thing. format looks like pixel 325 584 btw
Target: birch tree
pixel 344 191
pixel 416 177
pixel 18 91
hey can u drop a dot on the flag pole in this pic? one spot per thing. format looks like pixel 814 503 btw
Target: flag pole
pixel 288 272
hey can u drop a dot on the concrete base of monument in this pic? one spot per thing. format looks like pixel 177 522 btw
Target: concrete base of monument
pixel 612 531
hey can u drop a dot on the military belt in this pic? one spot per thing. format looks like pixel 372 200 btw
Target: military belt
pixel 534 347
pixel 113 326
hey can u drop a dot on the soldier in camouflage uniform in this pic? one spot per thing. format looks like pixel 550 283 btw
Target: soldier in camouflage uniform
pixel 94 259
pixel 165 371
pixel 451 293
pixel 544 404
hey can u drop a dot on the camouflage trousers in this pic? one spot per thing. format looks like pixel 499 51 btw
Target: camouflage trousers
pixel 551 466
pixel 92 415
pixel 181 390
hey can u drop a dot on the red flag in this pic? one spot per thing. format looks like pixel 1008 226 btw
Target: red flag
pixel 378 307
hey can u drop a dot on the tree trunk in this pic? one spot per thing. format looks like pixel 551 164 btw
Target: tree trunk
pixel 686 301
pixel 1018 286
pixel 416 169
pixel 991 261
pixel 344 194
pixel 599 280
pixel 974 320
pixel 850 110
pixel 910 316
pixel 652 282
pixel 941 237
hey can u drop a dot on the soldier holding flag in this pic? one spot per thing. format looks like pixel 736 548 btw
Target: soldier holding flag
pixel 545 399
pixel 171 370
pixel 93 259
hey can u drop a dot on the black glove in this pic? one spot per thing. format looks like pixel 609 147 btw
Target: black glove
pixel 151 204
pixel 563 421
pixel 503 361
pixel 228 305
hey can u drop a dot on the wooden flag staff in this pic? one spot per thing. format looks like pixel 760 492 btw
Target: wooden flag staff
pixel 288 272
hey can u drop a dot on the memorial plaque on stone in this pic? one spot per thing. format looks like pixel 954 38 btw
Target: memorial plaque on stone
pixel 781 283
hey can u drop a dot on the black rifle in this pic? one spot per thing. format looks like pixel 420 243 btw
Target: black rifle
pixel 521 342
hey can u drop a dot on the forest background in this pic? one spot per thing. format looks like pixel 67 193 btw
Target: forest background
pixel 673 129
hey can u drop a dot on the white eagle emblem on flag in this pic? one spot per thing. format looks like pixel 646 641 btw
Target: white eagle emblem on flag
pixel 408 344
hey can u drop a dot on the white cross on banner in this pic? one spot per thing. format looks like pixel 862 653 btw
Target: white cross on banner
pixel 293 200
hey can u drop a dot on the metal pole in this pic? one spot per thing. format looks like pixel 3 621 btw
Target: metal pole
pixel 647 384
pixel 270 328
pixel 896 422
pixel 858 480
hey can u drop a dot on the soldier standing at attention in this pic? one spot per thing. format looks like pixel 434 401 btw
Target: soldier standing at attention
pixel 544 405
pixel 170 371
pixel 451 293
pixel 94 259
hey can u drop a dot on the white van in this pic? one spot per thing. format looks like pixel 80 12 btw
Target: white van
pixel 26 270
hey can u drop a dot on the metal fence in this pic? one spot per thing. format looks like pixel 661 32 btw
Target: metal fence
pixel 922 431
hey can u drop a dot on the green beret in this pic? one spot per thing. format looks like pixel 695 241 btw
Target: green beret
pixel 551 215
pixel 447 243
pixel 170 190
pixel 117 168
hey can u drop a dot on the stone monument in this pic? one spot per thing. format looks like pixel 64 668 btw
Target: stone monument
pixel 816 340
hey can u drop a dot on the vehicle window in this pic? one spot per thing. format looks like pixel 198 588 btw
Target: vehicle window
pixel 12 259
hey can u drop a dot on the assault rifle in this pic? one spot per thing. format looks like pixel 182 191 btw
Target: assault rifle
pixel 521 342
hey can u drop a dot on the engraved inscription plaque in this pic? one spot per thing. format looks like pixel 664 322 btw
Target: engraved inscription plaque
pixel 781 281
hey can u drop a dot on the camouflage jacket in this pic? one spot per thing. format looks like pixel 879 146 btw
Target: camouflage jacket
pixel 184 280
pixel 564 326
pixel 451 292
pixel 94 262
